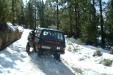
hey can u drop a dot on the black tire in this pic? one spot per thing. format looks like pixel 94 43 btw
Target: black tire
pixel 34 48
pixel 57 56
pixel 40 53
pixel 28 48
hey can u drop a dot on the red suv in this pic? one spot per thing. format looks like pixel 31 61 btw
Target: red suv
pixel 47 41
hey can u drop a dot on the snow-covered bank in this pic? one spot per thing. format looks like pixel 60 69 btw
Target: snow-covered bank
pixel 78 59
pixel 15 61
pixel 83 61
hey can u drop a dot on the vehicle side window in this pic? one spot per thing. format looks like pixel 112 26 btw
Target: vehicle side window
pixel 52 35
pixel 45 33
pixel 60 36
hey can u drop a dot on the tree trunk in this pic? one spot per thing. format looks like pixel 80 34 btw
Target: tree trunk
pixel 13 11
pixel 70 17
pixel 101 23
pixel 57 16
pixel 112 9
pixel 77 25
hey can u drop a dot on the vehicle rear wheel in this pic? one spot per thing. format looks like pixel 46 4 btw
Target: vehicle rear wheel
pixel 28 48
pixel 40 53
pixel 57 56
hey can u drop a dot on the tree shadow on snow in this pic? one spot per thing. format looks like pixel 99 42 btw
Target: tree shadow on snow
pixel 50 66
pixel 9 58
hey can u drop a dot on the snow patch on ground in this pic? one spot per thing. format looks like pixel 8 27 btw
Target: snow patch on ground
pixel 83 59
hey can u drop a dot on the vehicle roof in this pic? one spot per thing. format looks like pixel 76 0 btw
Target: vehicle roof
pixel 49 29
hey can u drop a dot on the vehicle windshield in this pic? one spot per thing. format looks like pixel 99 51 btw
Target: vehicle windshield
pixel 52 35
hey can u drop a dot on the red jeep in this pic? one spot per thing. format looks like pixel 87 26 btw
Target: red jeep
pixel 47 41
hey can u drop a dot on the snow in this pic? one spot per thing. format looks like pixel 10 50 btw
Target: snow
pixel 14 28
pixel 84 60
pixel 11 27
pixel 14 60
pixel 20 28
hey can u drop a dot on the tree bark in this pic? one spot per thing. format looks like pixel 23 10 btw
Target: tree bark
pixel 57 16
pixel 101 23
pixel 70 18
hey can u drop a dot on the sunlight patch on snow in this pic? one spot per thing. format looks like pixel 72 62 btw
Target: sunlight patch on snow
pixel 8 59
pixel 107 56
pixel 24 40
pixel 2 55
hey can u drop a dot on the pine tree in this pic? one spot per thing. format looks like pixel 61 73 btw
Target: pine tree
pixel 21 17
pixel 88 25
pixel 4 11
pixel 109 23
pixel 29 15
pixel 102 25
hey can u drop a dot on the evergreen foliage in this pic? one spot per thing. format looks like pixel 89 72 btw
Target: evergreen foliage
pixel 84 19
